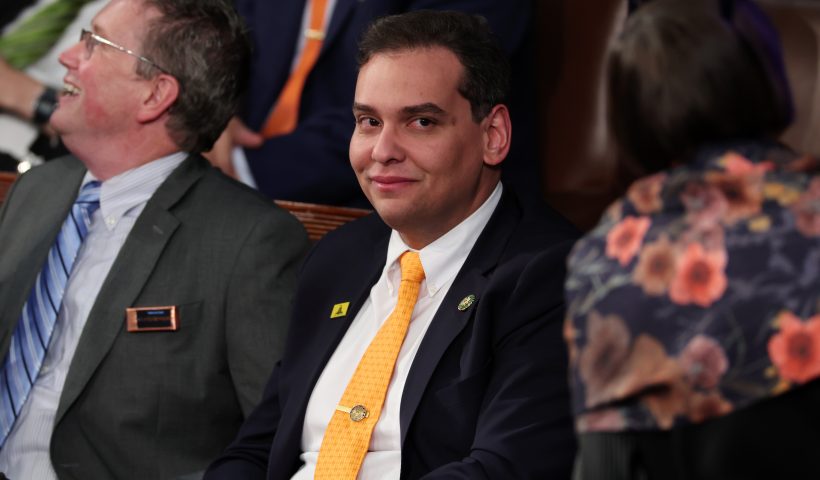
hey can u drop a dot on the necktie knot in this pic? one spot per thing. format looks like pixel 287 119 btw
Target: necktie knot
pixel 411 268
pixel 90 192
pixel 89 197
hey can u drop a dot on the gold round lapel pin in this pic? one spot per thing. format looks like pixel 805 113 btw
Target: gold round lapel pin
pixel 466 302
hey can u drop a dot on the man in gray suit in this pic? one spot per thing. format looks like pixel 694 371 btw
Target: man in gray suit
pixel 144 359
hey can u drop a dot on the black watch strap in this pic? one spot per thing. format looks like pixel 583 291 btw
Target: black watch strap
pixel 45 105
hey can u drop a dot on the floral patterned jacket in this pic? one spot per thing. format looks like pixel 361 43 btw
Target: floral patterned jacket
pixel 697 294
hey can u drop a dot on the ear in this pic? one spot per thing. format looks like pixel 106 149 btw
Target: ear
pixel 497 135
pixel 163 92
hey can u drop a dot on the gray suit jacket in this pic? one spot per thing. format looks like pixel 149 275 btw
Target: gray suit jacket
pixel 160 404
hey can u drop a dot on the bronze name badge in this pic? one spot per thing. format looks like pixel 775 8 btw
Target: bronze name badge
pixel 152 319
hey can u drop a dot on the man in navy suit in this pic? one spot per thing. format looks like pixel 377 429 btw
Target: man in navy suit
pixel 310 163
pixel 479 387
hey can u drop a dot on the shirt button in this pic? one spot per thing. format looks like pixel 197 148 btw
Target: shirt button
pixel 110 221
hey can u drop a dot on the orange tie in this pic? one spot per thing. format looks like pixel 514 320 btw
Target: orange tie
pixel 348 435
pixel 282 119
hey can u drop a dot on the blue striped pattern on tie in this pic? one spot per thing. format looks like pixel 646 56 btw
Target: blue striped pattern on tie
pixel 33 331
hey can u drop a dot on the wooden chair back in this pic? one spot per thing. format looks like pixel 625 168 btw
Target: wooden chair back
pixel 6 179
pixel 320 219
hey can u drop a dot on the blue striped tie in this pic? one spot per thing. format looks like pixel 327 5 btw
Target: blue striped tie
pixel 33 331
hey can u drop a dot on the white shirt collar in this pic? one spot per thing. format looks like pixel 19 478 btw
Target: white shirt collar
pixel 121 193
pixel 443 258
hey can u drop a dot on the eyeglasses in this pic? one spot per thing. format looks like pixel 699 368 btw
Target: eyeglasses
pixel 91 40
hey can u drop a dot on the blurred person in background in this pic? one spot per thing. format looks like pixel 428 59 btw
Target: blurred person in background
pixel 34 32
pixel 694 306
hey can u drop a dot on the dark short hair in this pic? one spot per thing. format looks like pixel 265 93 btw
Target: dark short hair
pixel 686 73
pixel 486 81
pixel 204 45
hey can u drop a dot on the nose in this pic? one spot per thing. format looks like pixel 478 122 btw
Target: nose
pixel 388 147
pixel 70 57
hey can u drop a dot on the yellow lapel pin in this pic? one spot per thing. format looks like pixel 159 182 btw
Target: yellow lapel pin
pixel 339 310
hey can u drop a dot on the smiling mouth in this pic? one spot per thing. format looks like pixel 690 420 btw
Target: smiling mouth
pixel 385 180
pixel 70 90
pixel 391 185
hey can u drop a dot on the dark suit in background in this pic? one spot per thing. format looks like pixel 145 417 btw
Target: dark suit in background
pixel 311 164
pixel 159 404
pixel 11 9
pixel 486 396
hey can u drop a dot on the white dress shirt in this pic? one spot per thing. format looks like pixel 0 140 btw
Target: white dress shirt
pixel 122 198
pixel 441 260
pixel 16 135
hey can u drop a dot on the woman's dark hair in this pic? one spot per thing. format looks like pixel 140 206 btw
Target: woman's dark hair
pixel 686 73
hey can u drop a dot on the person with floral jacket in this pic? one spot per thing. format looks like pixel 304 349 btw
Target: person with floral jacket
pixel 695 302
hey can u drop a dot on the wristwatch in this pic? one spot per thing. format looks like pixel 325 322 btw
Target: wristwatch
pixel 45 105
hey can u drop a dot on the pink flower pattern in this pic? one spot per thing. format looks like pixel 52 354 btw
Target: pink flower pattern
pixel 682 307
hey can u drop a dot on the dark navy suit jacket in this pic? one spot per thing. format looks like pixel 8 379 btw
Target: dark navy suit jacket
pixel 486 396
pixel 311 164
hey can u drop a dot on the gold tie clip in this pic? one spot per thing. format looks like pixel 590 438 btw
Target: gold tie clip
pixel 357 413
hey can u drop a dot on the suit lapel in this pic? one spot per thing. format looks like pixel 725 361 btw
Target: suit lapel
pixel 44 216
pixel 283 28
pixel 449 321
pixel 341 11
pixel 127 277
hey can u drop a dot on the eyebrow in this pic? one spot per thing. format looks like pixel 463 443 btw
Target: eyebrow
pixel 428 108
pixel 97 29
pixel 362 108
pixel 424 108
